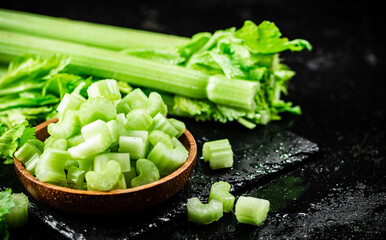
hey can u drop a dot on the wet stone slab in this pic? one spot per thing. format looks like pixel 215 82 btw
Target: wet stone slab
pixel 258 154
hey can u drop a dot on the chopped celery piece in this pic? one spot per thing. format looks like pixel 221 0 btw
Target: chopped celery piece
pixel 57 143
pixel 251 210
pixel 220 192
pixel 97 108
pixel 201 213
pixel 156 105
pixel 105 180
pixel 129 176
pixel 136 143
pixel 156 136
pixel 26 152
pixel 219 154
pixel 39 144
pixel 71 163
pixel 121 184
pixel 75 177
pixel 121 118
pixel 92 146
pixel 86 164
pixel 112 125
pixel 70 102
pixel 75 140
pixel 161 123
pixel 179 125
pixel 136 99
pixel 123 159
pixel 30 165
pixel 168 160
pixel 147 173
pixel 97 127
pixel 135 146
pixel 107 88
pixel 138 119
pixel 67 126
pixel 50 167
pixel 18 216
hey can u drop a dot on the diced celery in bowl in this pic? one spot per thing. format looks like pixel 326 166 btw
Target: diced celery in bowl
pixel 107 142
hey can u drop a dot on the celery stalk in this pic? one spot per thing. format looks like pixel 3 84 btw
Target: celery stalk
pixel 18 216
pixel 105 36
pixel 141 72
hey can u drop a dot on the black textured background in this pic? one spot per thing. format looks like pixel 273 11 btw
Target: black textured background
pixel 338 193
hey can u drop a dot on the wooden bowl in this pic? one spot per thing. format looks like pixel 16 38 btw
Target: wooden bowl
pixel 112 202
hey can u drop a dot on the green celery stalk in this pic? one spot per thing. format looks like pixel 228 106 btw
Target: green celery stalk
pixel 141 72
pixel 101 35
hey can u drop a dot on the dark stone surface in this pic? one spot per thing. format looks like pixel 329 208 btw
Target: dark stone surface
pixel 338 193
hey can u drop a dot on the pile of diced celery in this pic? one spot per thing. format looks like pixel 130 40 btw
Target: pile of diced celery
pixel 107 142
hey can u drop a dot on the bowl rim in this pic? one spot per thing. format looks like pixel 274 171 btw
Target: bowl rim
pixel 190 160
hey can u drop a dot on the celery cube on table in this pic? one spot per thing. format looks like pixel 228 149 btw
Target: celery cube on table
pixel 219 154
pixel 204 213
pixel 220 192
pixel 251 210
pixel 18 216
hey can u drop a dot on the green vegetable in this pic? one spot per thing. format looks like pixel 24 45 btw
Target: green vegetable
pixel 75 177
pixel 123 159
pixel 13 211
pixel 230 75
pixel 218 153
pixel 136 143
pixel 157 136
pixel 11 139
pixel 147 173
pixel 201 213
pixel 251 210
pixel 50 166
pixel 85 141
pixel 85 32
pixel 166 159
pixel 106 180
pixel 220 192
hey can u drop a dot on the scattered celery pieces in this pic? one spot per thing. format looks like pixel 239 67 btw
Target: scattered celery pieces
pixel 248 210
pixel 107 142
pixel 218 153
pixel 220 192
pixel 204 213
pixel 251 210
pixel 13 211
